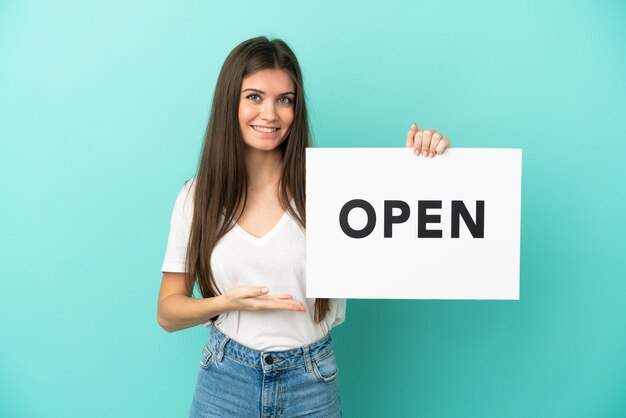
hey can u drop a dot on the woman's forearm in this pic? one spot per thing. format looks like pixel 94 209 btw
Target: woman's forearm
pixel 176 312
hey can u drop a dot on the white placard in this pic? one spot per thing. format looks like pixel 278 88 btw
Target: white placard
pixel 407 264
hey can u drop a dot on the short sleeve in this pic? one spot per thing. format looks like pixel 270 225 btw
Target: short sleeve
pixel 180 226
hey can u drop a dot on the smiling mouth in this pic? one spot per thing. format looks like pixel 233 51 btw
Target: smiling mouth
pixel 263 129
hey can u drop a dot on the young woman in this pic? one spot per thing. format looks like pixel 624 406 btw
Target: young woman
pixel 238 232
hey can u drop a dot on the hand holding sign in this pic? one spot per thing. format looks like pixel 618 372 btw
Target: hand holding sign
pixel 427 142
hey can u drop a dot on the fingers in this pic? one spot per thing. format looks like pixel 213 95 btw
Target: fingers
pixel 443 144
pixel 426 140
pixel 410 136
pixel 256 298
pixel 417 145
pixel 283 296
pixel 422 142
pixel 432 149
pixel 275 303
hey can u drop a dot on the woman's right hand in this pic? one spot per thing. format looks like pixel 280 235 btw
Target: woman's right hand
pixel 255 298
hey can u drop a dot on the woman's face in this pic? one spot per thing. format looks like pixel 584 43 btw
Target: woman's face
pixel 266 108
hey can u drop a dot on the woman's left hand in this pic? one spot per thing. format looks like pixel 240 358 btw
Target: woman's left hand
pixel 427 142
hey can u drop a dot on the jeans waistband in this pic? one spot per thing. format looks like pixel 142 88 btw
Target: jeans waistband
pixel 222 345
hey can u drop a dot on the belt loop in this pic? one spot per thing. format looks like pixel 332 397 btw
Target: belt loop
pixel 307 359
pixel 220 349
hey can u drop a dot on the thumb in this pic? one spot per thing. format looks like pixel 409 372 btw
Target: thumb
pixel 252 291
pixel 410 135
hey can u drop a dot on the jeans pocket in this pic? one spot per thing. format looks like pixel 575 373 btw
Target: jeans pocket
pixel 325 368
pixel 206 358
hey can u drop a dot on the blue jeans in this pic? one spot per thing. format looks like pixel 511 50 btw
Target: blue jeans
pixel 237 381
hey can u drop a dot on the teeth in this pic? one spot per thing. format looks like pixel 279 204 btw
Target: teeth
pixel 261 129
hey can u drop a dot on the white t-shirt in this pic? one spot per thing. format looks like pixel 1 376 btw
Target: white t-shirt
pixel 276 260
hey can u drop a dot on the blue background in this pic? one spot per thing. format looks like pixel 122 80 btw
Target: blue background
pixel 103 106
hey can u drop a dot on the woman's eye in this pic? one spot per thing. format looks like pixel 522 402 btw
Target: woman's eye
pixel 253 97
pixel 285 100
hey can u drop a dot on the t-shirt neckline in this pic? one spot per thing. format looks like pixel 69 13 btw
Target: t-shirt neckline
pixel 268 235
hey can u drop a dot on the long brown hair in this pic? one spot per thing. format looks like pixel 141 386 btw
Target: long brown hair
pixel 221 178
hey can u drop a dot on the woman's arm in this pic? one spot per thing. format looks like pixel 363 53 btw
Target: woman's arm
pixel 177 309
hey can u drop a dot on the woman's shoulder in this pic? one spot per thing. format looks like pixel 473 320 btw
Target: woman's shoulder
pixel 188 189
pixel 189 184
pixel 186 199
pixel 183 206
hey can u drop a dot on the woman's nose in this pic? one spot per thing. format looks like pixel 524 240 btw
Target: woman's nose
pixel 268 112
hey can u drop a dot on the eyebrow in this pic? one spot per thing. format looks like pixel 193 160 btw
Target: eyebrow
pixel 262 92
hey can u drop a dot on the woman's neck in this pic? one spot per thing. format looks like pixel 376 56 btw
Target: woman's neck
pixel 264 169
